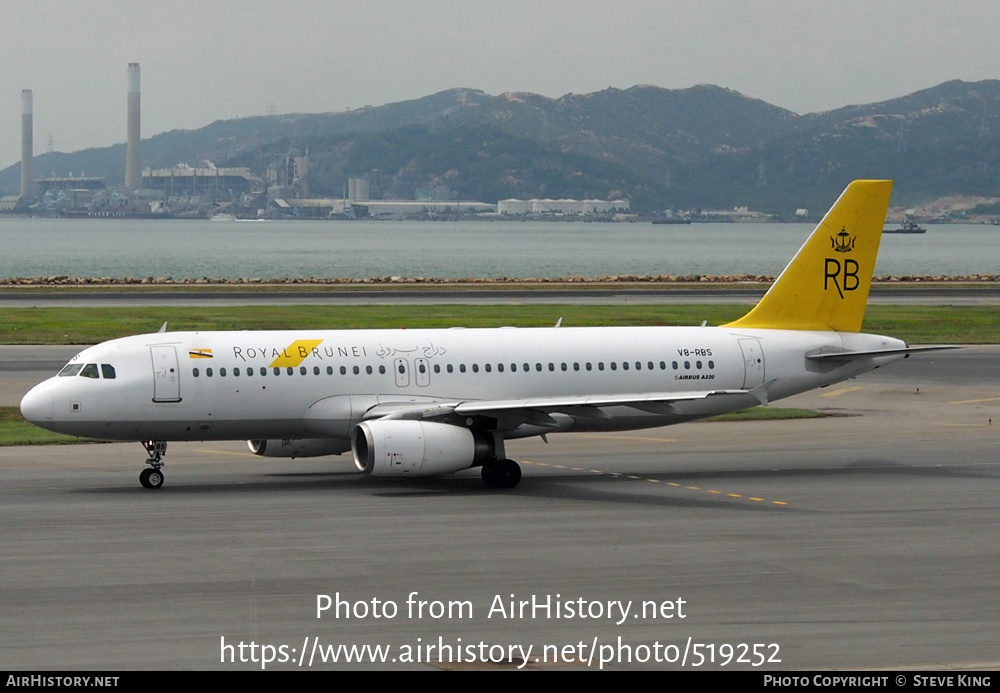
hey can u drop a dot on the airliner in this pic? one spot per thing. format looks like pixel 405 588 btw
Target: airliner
pixel 426 402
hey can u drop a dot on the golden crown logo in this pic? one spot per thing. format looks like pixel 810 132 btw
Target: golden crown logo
pixel 844 242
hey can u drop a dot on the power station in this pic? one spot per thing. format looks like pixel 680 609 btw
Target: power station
pixel 133 157
pixel 280 192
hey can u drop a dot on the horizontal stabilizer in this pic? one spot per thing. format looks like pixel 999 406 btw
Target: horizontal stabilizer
pixel 867 353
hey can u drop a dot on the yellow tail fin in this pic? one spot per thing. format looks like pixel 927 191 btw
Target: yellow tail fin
pixel 825 286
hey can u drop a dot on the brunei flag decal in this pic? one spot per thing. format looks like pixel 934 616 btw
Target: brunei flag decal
pixel 200 353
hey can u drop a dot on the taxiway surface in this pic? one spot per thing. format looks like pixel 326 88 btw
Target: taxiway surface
pixel 867 539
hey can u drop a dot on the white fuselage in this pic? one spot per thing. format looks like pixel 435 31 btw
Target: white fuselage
pixel 319 384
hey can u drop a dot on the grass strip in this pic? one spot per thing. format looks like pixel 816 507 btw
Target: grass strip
pixel 14 430
pixel 769 414
pixel 77 325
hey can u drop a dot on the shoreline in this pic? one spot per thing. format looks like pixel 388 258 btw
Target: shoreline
pixel 399 282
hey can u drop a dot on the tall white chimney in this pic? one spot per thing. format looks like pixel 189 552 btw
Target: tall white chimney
pixel 133 161
pixel 27 138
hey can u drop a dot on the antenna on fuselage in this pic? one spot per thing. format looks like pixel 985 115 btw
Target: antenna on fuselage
pixel 163 327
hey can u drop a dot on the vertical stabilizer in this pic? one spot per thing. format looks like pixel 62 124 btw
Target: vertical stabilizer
pixel 825 286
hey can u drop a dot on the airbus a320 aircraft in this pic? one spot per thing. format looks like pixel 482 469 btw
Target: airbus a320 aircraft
pixel 423 402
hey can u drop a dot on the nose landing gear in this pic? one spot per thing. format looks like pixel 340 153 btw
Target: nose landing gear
pixel 153 477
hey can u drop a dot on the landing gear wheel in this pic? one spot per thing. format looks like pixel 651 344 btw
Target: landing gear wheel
pixel 151 478
pixel 501 474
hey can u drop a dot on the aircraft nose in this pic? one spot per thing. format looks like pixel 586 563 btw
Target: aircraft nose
pixel 38 406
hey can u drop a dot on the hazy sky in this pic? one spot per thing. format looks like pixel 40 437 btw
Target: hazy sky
pixel 205 60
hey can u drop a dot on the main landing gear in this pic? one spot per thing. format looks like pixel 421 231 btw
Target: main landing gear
pixel 153 477
pixel 501 474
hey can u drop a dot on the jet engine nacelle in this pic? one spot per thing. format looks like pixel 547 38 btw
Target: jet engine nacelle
pixel 302 447
pixel 418 448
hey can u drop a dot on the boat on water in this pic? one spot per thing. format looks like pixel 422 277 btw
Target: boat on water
pixel 671 220
pixel 907 227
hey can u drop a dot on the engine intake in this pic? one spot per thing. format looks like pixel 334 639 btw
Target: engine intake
pixel 418 448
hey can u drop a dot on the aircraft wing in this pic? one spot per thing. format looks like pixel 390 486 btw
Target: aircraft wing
pixel 539 409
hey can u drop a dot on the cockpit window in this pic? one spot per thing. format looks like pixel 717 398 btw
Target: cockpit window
pixel 108 371
pixel 90 371
pixel 70 369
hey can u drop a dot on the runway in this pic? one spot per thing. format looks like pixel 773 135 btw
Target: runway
pixel 864 540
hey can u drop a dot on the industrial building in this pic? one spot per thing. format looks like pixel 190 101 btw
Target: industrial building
pixel 375 209
pixel 213 183
pixel 515 207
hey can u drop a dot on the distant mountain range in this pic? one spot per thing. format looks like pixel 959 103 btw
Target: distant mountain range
pixel 702 147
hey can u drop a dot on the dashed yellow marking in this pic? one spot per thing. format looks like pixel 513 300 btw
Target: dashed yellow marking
pixel 712 491
pixel 976 401
pixel 842 391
